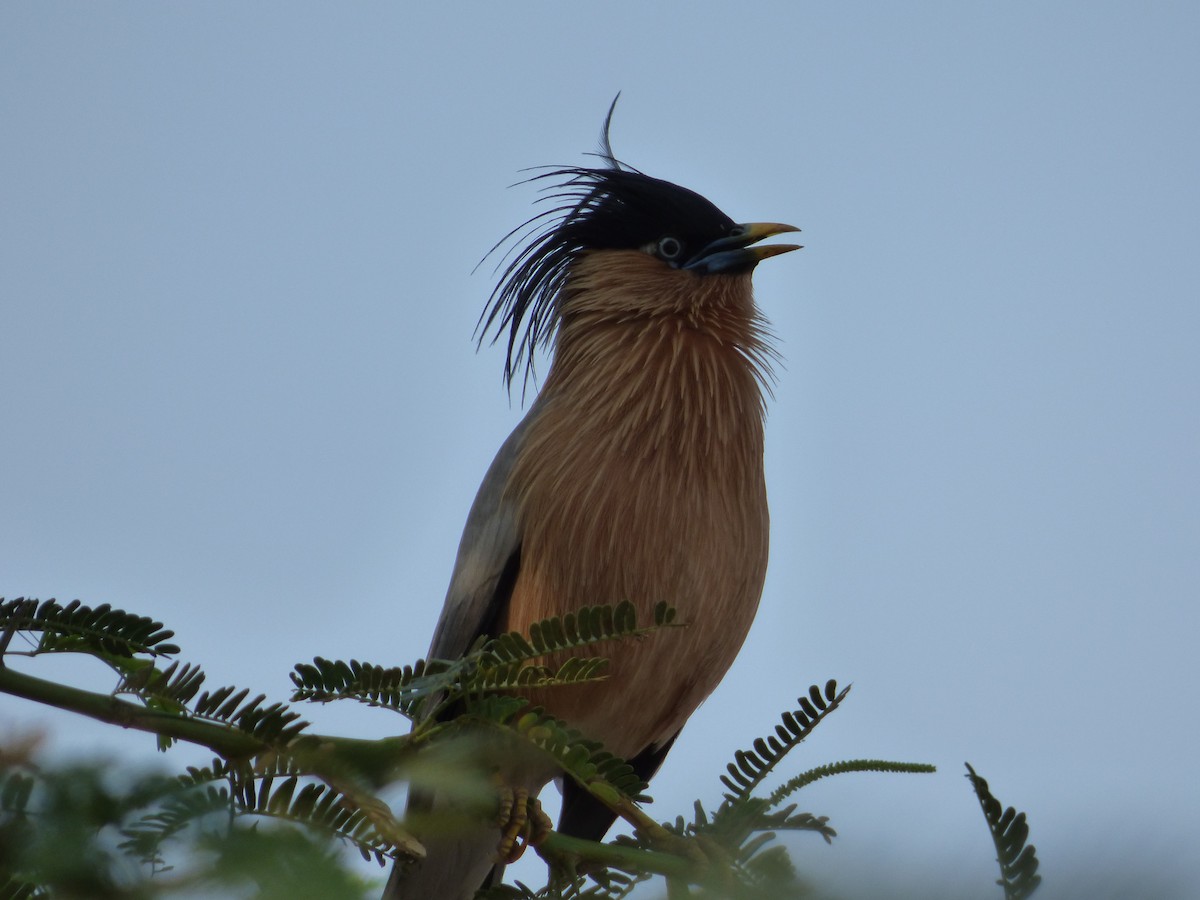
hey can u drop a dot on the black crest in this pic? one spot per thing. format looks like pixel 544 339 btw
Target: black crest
pixel 610 207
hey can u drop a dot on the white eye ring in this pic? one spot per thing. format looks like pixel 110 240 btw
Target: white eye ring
pixel 669 247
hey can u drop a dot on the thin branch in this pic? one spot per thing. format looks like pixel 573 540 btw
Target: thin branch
pixel 376 759
pixel 627 859
pixel 222 740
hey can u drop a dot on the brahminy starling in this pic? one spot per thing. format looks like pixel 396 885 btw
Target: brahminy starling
pixel 636 475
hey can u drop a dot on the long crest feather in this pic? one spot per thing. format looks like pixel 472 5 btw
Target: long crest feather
pixel 606 150
pixel 608 207
pixel 523 304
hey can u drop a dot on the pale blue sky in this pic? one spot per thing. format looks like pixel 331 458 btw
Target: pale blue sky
pixel 238 390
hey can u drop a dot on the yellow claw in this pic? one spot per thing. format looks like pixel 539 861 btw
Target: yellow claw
pixel 523 824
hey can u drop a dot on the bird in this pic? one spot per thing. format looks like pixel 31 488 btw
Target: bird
pixel 635 475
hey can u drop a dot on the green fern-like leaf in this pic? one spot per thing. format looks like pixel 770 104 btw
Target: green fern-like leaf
pixel 513 661
pixel 112 634
pixel 792 785
pixel 575 631
pixel 14 888
pixel 15 790
pixel 745 825
pixel 64 846
pixel 168 690
pixel 272 724
pixel 507 662
pixel 402 689
pixel 742 827
pixel 606 884
pixel 743 831
pixel 1018 860
pixel 581 758
pixel 750 767
pixel 194 776
pixel 145 837
pixel 280 788
pixel 172 688
pixel 516 675
pixel 16 826
pixel 321 806
pixel 276 789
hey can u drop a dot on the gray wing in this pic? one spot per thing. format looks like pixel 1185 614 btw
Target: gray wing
pixel 484 571
pixel 488 557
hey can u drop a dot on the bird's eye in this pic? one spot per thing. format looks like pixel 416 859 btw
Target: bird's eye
pixel 669 248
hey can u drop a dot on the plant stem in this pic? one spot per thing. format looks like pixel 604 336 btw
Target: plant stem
pixel 628 859
pixel 222 740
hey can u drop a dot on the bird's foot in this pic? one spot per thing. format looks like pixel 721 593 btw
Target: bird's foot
pixel 522 824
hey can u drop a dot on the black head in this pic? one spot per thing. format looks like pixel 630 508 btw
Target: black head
pixel 595 209
pixel 610 208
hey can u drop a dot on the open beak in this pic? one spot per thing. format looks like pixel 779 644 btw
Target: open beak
pixel 734 253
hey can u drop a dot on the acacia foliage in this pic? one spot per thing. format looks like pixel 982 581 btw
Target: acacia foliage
pixel 268 815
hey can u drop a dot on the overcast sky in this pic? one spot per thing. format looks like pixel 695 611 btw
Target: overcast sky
pixel 238 390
